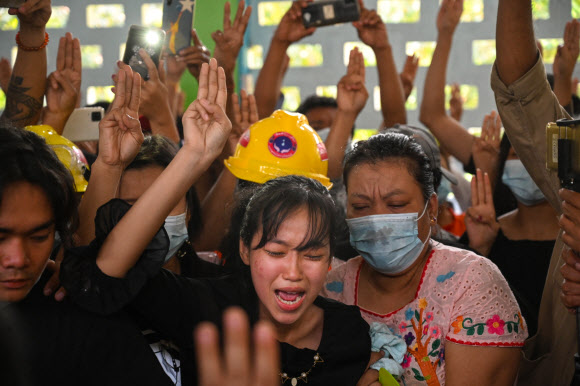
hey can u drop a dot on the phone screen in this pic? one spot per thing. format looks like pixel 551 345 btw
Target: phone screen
pixel 151 40
pixel 11 3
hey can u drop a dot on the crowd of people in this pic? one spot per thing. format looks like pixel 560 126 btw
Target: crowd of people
pixel 316 260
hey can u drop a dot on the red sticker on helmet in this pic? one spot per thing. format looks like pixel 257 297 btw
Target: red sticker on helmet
pixel 322 151
pixel 245 138
pixel 282 145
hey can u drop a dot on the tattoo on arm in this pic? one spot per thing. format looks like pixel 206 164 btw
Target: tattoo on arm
pixel 21 108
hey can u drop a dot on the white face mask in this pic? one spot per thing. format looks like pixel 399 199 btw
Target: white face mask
pixel 176 228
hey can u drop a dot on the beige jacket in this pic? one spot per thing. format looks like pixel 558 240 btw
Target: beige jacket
pixel 525 107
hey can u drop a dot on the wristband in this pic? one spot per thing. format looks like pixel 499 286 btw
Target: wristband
pixel 25 48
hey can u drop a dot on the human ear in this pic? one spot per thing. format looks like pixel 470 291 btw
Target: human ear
pixel 244 253
pixel 433 208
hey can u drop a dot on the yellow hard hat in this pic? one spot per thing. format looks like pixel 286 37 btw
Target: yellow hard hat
pixel 280 145
pixel 67 152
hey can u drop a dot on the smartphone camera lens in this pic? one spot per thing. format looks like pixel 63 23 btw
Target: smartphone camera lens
pixel 95 116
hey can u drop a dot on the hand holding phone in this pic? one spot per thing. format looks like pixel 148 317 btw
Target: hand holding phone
pixel 149 39
pixel 329 12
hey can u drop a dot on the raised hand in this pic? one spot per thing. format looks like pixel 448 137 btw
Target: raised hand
pixel 449 15
pixel 69 62
pixel 5 74
pixel 33 14
pixel 194 56
pixel 245 114
pixel 229 41
pixel 352 94
pixel 120 135
pixel 245 111
pixel 456 103
pixel 409 73
pixel 567 54
pixel 241 363
pixel 480 221
pixel 63 92
pixel 371 29
pixel 485 149
pixel 205 125
pixel 291 29
pixel 61 100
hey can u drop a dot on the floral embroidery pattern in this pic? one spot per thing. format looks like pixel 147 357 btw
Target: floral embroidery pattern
pixel 421 335
pixel 495 325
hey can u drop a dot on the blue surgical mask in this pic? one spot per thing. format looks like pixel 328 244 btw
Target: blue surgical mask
pixel 517 178
pixel 176 229
pixel 443 190
pixel 389 243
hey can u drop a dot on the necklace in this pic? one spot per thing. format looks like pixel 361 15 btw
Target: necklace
pixel 304 375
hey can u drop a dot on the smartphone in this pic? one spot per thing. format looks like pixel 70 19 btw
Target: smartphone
pixel 329 12
pixel 11 3
pixel 83 124
pixel 177 23
pixel 151 40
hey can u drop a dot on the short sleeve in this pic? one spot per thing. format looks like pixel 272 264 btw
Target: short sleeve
pixel 485 311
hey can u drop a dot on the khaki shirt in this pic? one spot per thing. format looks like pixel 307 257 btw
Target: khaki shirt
pixel 525 107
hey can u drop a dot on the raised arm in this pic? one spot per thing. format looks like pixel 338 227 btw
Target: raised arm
pixel 289 30
pixel 120 138
pixel 155 103
pixel 63 92
pixel 373 32
pixel 408 74
pixel 450 133
pixel 565 61
pixel 28 82
pixel 516 50
pixel 217 204
pixel 206 129
pixel 351 98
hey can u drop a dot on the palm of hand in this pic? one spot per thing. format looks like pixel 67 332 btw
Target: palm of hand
pixel 352 99
pixel 481 231
pixel 485 155
pixel 205 135
pixel 120 145
pixel 74 77
pixel 58 99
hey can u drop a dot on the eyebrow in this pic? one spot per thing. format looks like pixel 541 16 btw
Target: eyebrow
pixel 37 228
pixel 388 195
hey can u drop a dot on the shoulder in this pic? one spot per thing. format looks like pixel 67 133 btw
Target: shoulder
pixel 462 261
pixel 341 279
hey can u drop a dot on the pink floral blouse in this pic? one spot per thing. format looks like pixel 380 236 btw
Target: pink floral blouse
pixel 462 298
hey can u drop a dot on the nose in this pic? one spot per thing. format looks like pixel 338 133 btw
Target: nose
pixel 293 269
pixel 13 253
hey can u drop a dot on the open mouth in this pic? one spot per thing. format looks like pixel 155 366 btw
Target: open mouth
pixel 289 300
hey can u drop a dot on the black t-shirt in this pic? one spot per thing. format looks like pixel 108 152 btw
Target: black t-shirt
pixel 524 264
pixel 173 305
pixel 44 342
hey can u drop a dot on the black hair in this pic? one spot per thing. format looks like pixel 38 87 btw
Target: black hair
pixel 279 198
pixel 25 157
pixel 158 150
pixel 393 146
pixel 314 101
